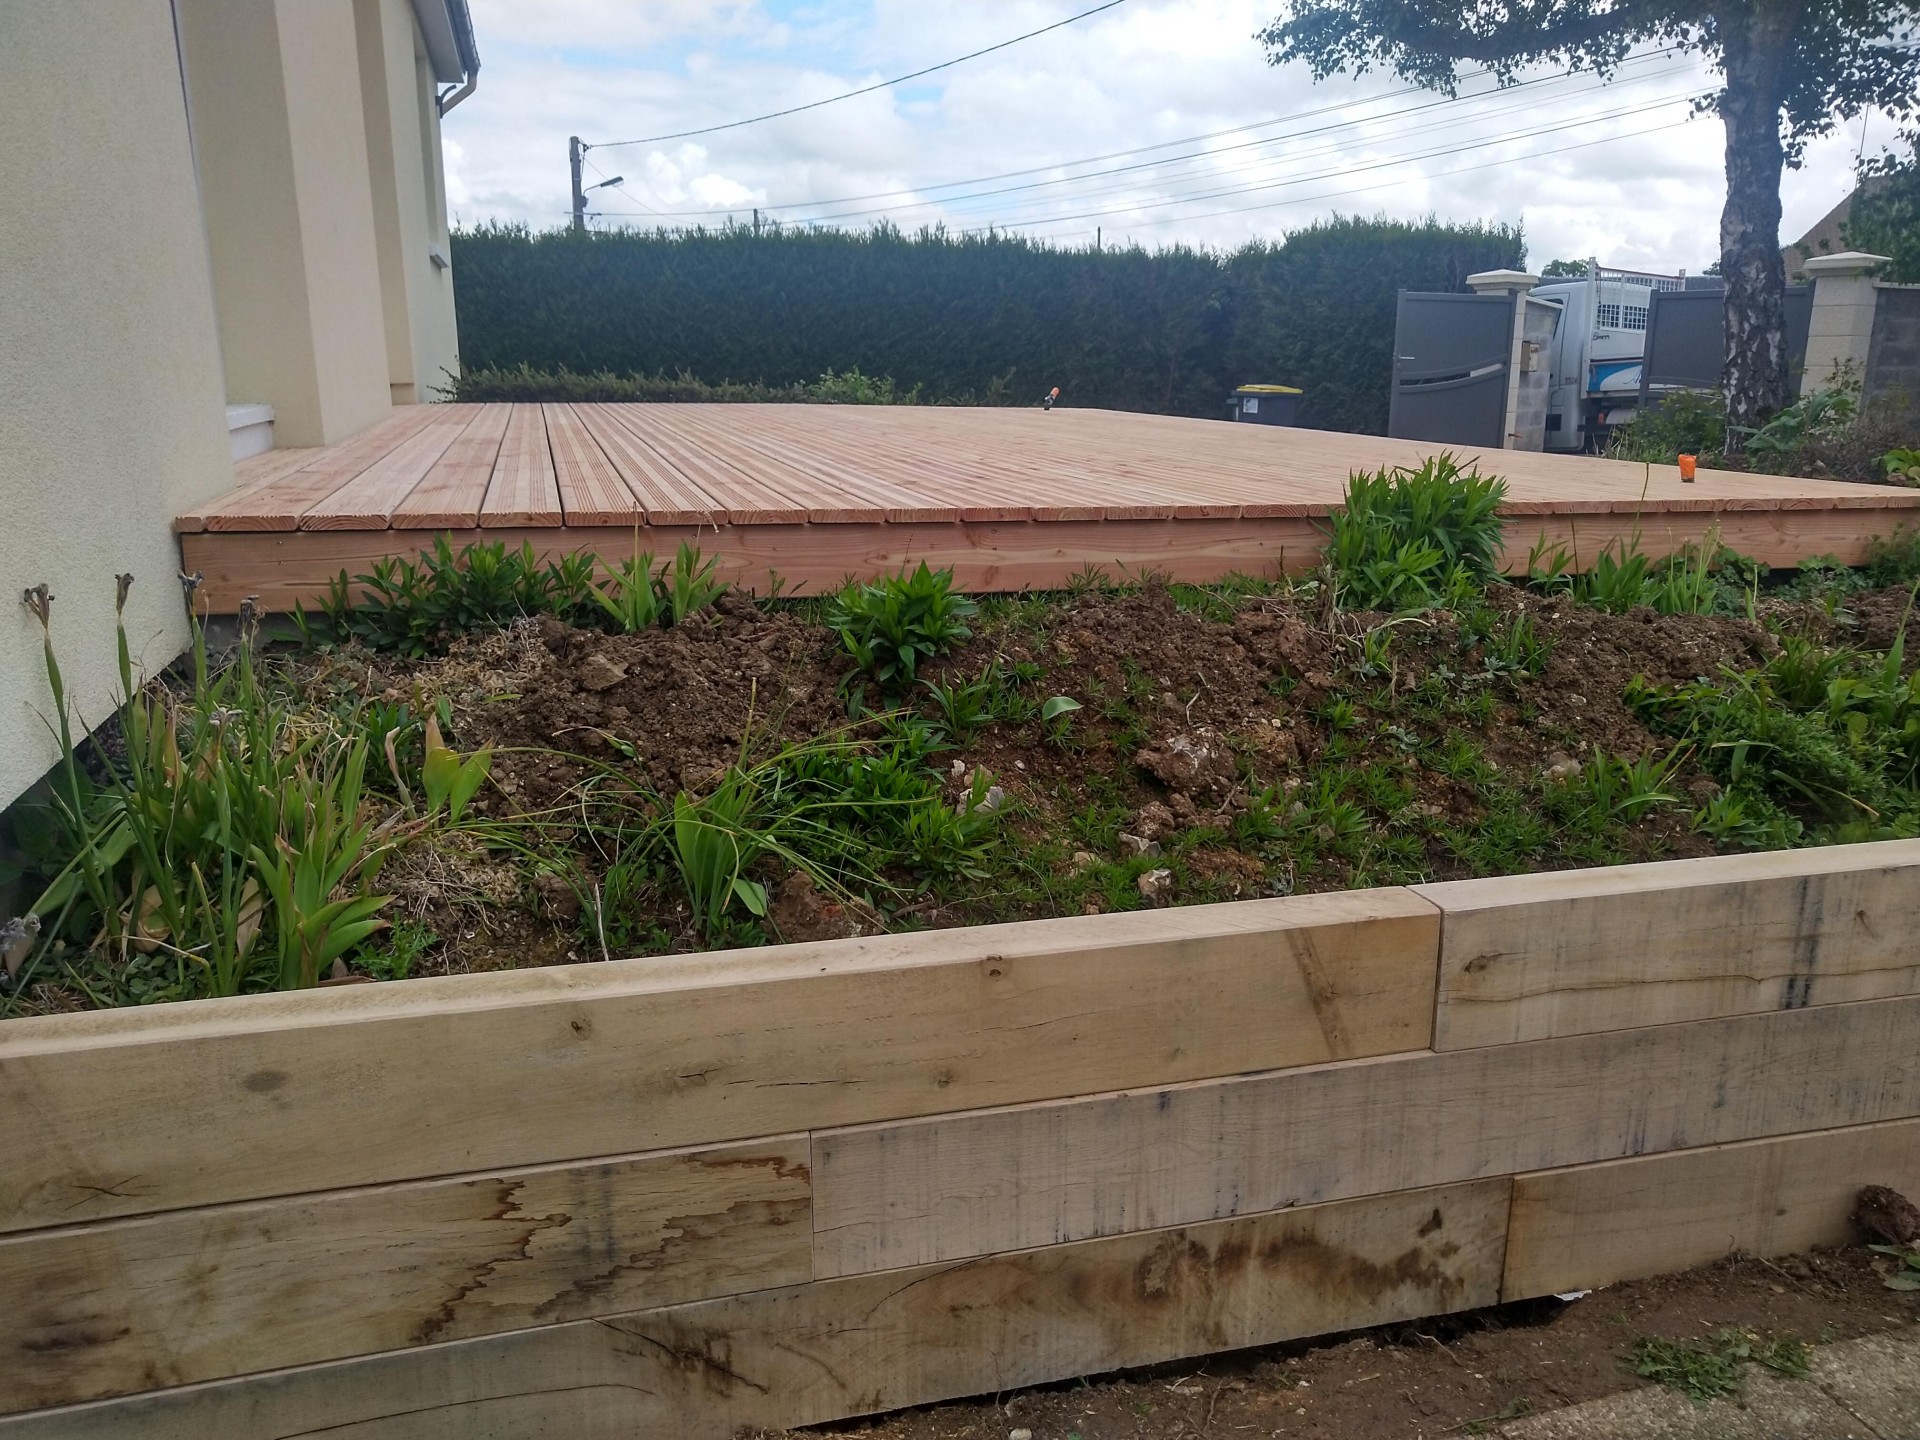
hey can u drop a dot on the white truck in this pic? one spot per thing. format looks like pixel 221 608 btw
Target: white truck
pixel 1596 351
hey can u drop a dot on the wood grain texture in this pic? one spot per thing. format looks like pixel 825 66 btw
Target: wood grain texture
pixel 824 1351
pixel 952 1186
pixel 279 1094
pixel 1192 497
pixel 129 1305
pixel 1598 1224
pixel 1528 957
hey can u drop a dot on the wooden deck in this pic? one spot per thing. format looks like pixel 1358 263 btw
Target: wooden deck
pixel 1011 499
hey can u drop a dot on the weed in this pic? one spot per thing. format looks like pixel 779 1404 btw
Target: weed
pixel 892 624
pixel 966 705
pixel 631 598
pixel 1710 1369
pixel 1906 1275
pixel 1414 539
pixel 399 951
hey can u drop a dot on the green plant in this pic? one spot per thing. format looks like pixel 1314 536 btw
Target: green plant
pixel 394 957
pixel 1901 466
pixel 1710 1369
pixel 713 846
pixel 631 598
pixel 1412 539
pixel 1821 413
pixel 1906 1275
pixel 1053 715
pixel 891 624
pixel 689 586
pixel 965 705
pixel 449 780
pixel 1684 422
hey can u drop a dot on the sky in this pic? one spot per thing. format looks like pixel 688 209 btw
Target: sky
pixel 1624 172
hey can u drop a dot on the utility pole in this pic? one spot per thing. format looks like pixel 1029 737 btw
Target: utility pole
pixel 575 152
pixel 1097 242
pixel 756 219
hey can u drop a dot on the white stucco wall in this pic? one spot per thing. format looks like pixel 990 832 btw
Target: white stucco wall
pixel 111 415
pixel 282 148
pixel 409 202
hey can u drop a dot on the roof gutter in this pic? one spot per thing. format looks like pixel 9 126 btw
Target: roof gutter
pixel 446 30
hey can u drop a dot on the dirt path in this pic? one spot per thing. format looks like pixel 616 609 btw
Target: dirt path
pixel 1456 1376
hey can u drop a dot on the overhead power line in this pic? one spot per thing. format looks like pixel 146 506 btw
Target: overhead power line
pixel 863 90
pixel 1467 118
pixel 1476 143
pixel 1389 184
pixel 1067 180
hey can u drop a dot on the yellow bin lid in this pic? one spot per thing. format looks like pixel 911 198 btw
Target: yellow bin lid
pixel 1269 390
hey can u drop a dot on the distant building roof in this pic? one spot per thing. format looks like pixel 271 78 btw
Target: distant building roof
pixel 1827 235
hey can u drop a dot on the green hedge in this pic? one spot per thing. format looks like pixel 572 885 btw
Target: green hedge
pixel 969 319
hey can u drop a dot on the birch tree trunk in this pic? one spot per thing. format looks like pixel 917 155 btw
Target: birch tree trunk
pixel 1757 39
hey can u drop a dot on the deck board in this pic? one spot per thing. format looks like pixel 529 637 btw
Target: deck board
pixel 591 490
pixel 449 496
pixel 524 490
pixel 1010 498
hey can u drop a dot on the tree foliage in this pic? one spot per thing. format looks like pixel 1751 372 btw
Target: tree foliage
pixel 969 319
pixel 1790 68
pixel 1885 217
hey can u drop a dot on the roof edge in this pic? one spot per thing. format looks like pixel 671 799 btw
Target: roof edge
pixel 446 27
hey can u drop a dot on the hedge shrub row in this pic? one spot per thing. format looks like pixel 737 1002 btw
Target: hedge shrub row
pixel 968 319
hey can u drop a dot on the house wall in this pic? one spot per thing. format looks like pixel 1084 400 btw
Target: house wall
pixel 281 138
pixel 409 199
pixel 112 417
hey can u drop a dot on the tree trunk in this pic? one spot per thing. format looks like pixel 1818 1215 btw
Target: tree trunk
pixel 1756 40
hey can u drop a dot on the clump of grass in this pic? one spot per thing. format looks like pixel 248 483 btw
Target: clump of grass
pixel 1710 1369
pixel 231 844
pixel 1416 539
pixel 416 607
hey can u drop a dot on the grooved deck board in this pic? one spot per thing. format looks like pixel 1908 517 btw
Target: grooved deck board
pixel 368 500
pixel 954 1186
pixel 524 489
pixel 450 494
pixel 823 1351
pixel 1147 491
pixel 653 1054
pixel 591 490
pixel 128 1305
pixel 1600 1224
pixel 1529 957
pixel 279 504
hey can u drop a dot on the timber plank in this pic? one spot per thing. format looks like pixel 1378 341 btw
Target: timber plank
pixel 279 504
pixel 254 471
pixel 1527 957
pixel 129 1305
pixel 824 1351
pixel 666 496
pixel 280 1094
pixel 1597 1224
pixel 524 489
pixel 591 491
pixel 285 569
pixel 367 501
pixel 450 494
pixel 953 1186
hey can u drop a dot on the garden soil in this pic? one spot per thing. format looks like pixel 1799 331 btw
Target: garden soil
pixel 1187 713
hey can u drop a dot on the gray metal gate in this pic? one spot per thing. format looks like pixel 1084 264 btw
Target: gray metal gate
pixel 1687 336
pixel 1450 359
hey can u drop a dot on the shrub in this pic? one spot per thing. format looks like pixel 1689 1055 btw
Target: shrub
pixel 417 607
pixel 959 319
pixel 892 624
pixel 523 383
pixel 1688 422
pixel 1414 539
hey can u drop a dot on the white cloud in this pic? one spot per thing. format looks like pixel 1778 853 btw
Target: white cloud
pixel 1144 73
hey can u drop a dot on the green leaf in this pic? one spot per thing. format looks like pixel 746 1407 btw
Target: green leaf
pixel 1056 707
pixel 752 894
